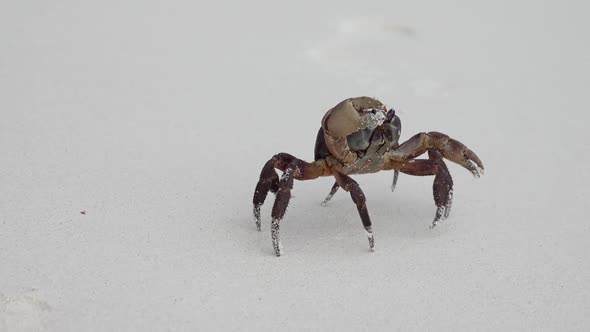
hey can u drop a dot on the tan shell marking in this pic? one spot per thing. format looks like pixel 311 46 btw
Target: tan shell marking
pixel 343 120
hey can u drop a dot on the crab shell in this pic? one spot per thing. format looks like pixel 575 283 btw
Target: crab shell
pixel 344 135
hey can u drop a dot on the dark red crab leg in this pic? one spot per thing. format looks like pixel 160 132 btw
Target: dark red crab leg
pixel 442 188
pixel 438 146
pixel 331 194
pixel 336 186
pixel 394 182
pixel 358 197
pixel 294 169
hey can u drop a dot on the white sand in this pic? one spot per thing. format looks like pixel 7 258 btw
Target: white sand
pixel 155 119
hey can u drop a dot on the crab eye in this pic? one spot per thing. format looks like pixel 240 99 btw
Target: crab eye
pixel 390 114
pixel 370 110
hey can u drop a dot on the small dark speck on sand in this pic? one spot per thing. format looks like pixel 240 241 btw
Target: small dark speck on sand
pixel 82 212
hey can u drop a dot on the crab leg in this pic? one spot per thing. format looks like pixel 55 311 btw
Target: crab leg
pixel 331 194
pixel 293 168
pixel 450 149
pixel 394 182
pixel 442 187
pixel 358 197
pixel 269 181
pixel 336 186
pixel 280 206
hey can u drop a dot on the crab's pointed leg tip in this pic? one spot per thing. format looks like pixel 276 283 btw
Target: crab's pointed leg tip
pixel 257 217
pixel 258 223
pixel 370 238
pixel 324 203
pixel 435 223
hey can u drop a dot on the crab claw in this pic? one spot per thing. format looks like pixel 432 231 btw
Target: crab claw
pixel 450 148
pixel 473 164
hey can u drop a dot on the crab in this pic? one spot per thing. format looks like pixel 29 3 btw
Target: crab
pixel 360 136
